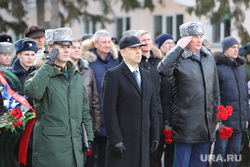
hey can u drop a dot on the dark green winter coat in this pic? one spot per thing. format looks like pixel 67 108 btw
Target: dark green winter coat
pixel 61 106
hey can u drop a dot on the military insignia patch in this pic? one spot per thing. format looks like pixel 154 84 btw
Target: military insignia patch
pixel 30 44
pixel 199 29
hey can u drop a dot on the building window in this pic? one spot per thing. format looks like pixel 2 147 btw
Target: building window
pixel 220 31
pixel 46 25
pixel 122 25
pixel 179 21
pixel 88 27
pixel 168 23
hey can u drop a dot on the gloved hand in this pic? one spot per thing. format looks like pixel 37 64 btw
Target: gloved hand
pixel 117 150
pixel 51 57
pixel 89 150
pixel 154 145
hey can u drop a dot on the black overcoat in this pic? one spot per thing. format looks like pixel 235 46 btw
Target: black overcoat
pixel 130 115
pixel 196 94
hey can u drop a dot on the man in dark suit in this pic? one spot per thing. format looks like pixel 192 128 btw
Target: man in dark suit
pixel 129 110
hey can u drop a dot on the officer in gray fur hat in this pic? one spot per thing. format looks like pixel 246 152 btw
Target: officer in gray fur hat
pixel 61 105
pixel 6 49
pixel 194 74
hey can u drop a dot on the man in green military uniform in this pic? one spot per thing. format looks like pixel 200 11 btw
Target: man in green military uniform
pixel 61 105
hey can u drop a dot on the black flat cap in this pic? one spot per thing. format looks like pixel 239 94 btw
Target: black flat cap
pixel 130 41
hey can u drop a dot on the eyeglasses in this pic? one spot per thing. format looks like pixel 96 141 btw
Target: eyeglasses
pixel 169 43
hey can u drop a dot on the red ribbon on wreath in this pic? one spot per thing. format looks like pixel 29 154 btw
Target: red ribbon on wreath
pixel 23 146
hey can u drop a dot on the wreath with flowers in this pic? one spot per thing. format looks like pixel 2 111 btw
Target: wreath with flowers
pixel 18 113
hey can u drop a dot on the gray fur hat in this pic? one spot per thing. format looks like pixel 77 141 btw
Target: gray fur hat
pixel 191 28
pixel 60 36
pixel 6 47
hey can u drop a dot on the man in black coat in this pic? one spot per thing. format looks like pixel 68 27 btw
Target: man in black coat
pixel 195 96
pixel 129 110
pixel 233 91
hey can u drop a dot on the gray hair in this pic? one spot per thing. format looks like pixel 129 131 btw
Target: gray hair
pixel 141 32
pixel 100 33
pixel 128 33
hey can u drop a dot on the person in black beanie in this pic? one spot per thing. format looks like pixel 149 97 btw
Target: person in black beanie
pixel 165 43
pixel 233 91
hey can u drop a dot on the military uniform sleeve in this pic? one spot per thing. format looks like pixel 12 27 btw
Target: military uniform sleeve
pixel 36 83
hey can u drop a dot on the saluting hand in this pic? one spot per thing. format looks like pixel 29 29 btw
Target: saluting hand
pixel 183 42
pixel 51 56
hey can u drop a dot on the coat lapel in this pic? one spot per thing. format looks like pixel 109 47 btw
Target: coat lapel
pixel 143 82
pixel 130 76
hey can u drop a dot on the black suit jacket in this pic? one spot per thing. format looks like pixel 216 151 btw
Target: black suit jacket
pixel 130 115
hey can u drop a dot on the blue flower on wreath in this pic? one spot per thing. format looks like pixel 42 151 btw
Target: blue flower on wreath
pixel 5 94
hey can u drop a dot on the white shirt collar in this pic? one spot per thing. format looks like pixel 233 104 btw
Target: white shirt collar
pixel 131 68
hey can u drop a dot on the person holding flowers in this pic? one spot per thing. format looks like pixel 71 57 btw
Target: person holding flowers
pixel 15 123
pixel 233 92
pixel 195 96
pixel 25 50
pixel 61 106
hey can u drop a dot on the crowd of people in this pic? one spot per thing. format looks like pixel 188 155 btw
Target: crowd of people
pixel 122 94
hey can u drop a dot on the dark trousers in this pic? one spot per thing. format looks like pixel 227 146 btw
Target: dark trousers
pixel 245 152
pixel 190 154
pixel 156 156
pixel 169 155
pixel 226 152
pixel 99 147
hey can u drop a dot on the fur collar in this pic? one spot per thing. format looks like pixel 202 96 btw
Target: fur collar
pixel 39 61
pixel 17 68
pixel 82 64
pixel 187 52
pixel 157 52
pixel 222 59
pixel 88 44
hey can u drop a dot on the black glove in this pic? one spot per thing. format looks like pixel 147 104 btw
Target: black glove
pixel 51 57
pixel 117 150
pixel 154 145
